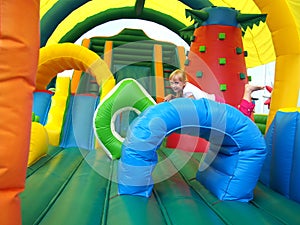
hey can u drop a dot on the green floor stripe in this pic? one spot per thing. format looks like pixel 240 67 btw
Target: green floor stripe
pixel 163 210
pixel 276 205
pixel 83 199
pixel 231 212
pixel 46 182
pixel 56 196
pixel 107 193
pixel 181 202
pixel 132 210
pixel 52 151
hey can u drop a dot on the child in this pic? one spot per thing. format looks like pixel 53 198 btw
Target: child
pixel 183 88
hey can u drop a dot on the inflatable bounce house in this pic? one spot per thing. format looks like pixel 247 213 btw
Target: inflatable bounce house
pixel 101 146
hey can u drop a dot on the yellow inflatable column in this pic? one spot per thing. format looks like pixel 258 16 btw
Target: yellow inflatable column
pixel 39 143
pixel 19 44
pixel 58 109
pixel 286 42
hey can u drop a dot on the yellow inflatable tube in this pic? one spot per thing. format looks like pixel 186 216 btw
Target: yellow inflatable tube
pixel 57 111
pixel 65 56
pixel 286 42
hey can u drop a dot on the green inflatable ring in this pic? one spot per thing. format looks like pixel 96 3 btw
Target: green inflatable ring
pixel 127 95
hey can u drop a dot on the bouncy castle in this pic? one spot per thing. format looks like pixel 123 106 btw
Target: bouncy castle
pixel 101 146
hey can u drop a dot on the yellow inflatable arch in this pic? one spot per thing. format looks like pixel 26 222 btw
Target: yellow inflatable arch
pixel 59 57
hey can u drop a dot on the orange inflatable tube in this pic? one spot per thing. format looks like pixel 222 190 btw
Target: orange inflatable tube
pixel 19 44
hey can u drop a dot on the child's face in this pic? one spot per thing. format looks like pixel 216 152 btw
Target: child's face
pixel 176 84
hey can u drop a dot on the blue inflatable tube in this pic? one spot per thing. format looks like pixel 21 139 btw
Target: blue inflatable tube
pixel 230 169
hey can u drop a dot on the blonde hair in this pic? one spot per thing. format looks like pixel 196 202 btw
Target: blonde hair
pixel 180 74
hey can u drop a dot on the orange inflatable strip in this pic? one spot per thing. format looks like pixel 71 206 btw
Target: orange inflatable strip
pixel 108 53
pixel 159 73
pixel 181 55
pixel 75 81
pixel 19 44
pixel 77 73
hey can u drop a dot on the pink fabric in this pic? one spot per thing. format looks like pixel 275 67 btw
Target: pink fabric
pixel 246 107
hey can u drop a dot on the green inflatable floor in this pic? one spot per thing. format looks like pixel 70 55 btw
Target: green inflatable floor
pixel 77 187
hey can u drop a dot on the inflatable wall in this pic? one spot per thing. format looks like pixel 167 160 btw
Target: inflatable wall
pixel 281 171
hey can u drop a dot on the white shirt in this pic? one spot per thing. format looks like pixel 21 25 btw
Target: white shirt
pixel 191 89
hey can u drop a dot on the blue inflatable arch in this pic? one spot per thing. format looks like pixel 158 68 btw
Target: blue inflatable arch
pixel 236 144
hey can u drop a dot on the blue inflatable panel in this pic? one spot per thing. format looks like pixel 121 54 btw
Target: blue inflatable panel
pixel 41 105
pixel 231 167
pixel 281 170
pixel 78 131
